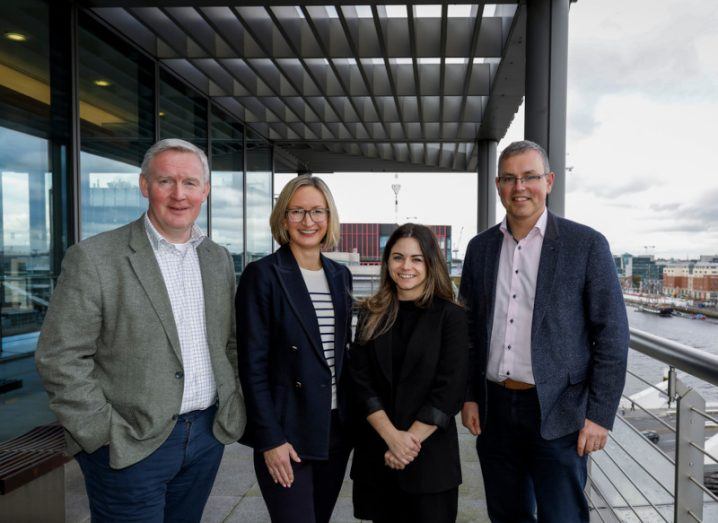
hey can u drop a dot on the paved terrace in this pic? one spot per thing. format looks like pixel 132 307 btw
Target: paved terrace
pixel 236 498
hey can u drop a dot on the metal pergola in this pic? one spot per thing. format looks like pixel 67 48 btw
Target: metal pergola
pixel 375 87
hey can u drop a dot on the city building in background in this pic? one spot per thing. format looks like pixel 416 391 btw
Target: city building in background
pixel 369 239
pixel 694 280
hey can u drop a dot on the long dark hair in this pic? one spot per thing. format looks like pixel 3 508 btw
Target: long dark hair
pixel 380 309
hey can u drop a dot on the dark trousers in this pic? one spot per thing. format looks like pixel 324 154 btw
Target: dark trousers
pixel 392 505
pixel 317 483
pixel 525 475
pixel 171 484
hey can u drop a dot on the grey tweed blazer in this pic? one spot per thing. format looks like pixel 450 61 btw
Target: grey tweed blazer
pixel 109 352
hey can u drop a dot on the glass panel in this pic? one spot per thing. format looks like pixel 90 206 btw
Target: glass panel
pixel 183 114
pixel 27 232
pixel 259 197
pixel 227 185
pixel 116 128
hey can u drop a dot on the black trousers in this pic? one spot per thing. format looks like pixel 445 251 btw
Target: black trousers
pixel 389 504
pixel 317 483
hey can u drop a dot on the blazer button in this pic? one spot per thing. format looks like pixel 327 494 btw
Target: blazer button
pixel 294 348
pixel 297 384
pixel 179 374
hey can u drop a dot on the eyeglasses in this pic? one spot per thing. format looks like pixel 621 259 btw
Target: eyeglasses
pixel 531 179
pixel 318 215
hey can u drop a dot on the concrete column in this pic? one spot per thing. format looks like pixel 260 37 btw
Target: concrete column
pixel 546 78
pixel 486 194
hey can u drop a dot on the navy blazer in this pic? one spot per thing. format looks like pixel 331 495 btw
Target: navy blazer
pixel 579 331
pixel 285 377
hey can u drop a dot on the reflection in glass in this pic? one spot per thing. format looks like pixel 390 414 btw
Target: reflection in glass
pixel 259 198
pixel 227 180
pixel 27 233
pixel 116 128
pixel 183 114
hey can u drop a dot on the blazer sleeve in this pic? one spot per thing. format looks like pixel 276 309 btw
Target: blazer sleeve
pixel 467 296
pixel 447 392
pixel 253 309
pixel 608 334
pixel 65 355
pixel 365 394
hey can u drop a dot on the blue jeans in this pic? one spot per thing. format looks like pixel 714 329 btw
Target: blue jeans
pixel 171 484
pixel 525 475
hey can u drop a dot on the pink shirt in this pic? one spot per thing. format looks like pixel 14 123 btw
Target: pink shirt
pixel 510 348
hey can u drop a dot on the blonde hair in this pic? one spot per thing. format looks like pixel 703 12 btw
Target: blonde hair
pixel 279 213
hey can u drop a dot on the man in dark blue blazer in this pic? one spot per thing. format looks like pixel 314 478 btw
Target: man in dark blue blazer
pixel 549 337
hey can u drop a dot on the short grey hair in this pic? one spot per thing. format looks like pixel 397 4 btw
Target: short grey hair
pixel 174 144
pixel 520 147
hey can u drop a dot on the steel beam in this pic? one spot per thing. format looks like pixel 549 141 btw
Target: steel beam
pixel 546 79
pixel 486 193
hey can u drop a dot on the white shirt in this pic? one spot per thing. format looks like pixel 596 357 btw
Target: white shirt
pixel 318 288
pixel 510 348
pixel 181 272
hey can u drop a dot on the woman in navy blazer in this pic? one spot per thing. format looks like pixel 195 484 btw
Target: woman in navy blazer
pixel 293 324
pixel 409 370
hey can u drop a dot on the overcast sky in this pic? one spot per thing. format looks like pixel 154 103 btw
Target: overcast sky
pixel 642 131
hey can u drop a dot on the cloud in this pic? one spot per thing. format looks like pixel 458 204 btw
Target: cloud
pixel 608 190
pixel 667 207
pixel 664 54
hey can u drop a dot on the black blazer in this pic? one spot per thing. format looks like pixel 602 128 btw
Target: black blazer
pixel 285 378
pixel 430 389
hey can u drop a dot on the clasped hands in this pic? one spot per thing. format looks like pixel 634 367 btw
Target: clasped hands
pixel 404 447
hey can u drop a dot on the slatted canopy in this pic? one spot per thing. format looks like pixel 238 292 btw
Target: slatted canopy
pixel 346 87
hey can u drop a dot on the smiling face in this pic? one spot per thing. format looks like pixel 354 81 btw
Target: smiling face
pixel 306 234
pixel 176 190
pixel 524 202
pixel 407 268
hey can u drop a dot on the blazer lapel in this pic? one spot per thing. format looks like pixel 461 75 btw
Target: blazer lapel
pixel 546 274
pixel 425 330
pixel 339 301
pixel 290 278
pixel 148 272
pixel 490 276
pixel 212 285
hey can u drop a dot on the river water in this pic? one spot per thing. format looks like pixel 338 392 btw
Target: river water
pixel 701 334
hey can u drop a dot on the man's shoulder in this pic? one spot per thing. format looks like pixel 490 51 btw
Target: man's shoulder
pixel 105 242
pixel 483 238
pixel 574 231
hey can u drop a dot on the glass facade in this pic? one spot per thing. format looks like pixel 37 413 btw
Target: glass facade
pixel 70 155
pixel 228 185
pixel 116 105
pixel 259 197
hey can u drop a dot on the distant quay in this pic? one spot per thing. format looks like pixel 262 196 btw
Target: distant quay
pixel 657 299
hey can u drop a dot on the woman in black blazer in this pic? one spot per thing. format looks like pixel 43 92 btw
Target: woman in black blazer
pixel 409 368
pixel 293 323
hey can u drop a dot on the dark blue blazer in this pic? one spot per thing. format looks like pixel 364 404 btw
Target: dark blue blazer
pixel 579 332
pixel 285 378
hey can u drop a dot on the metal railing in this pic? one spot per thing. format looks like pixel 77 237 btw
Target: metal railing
pixel 632 479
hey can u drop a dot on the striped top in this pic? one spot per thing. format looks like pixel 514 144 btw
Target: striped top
pixel 318 288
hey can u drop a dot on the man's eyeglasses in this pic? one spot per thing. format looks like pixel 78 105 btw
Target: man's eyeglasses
pixel 531 179
pixel 318 215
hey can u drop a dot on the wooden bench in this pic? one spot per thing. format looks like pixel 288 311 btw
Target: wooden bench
pixel 32 478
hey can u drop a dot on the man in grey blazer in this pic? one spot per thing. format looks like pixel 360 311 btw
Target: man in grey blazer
pixel 138 352
pixel 549 340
